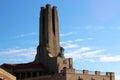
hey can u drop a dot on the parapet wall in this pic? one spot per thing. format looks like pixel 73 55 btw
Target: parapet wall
pixel 72 74
pixel 98 73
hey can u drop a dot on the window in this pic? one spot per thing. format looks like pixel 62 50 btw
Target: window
pixel 34 74
pixel 40 73
pixel 28 74
pixel 23 75
pixel 17 75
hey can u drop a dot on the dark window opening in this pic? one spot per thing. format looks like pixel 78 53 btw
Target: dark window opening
pixel 22 75
pixel 17 75
pixel 40 73
pixel 34 74
pixel 28 74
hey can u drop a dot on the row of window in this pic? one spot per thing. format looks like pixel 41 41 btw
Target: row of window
pixel 23 75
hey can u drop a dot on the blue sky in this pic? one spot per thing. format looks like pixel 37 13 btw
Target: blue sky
pixel 89 32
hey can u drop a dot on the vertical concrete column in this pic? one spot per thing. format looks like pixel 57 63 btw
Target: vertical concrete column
pixel 37 74
pixel 49 30
pixel 41 27
pixel 55 30
pixel 41 35
pixel 20 75
pixel 48 26
pixel 31 74
pixel 25 74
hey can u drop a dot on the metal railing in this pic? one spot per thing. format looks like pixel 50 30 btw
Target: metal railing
pixel 79 71
pixel 89 72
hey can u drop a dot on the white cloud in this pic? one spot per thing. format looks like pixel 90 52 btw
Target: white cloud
pixel 88 54
pixel 101 28
pixel 84 53
pixel 90 38
pixel 83 49
pixel 95 28
pixel 18 55
pixel 65 42
pixel 15 51
pixel 75 40
pixel 68 34
pixel 71 41
pixel 89 59
pixel 92 53
pixel 70 46
pixel 79 40
pixel 76 54
pixel 110 58
pixel 24 35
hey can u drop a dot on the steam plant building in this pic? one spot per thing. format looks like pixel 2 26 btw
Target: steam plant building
pixel 50 62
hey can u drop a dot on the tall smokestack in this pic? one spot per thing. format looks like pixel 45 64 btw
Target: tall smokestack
pixel 49 44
